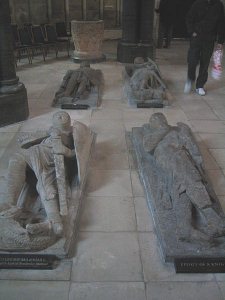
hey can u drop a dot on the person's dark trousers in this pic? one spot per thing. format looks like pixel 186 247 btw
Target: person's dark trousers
pixel 199 52
pixel 165 32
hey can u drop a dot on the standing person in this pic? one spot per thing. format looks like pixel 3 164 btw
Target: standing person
pixel 206 25
pixel 167 14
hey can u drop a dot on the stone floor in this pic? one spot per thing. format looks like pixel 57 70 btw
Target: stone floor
pixel 117 255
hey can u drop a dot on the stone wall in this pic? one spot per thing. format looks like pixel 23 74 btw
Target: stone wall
pixel 20 11
pixel 74 10
pixel 51 11
pixel 56 10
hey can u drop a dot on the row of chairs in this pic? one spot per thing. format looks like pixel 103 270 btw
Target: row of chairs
pixel 30 40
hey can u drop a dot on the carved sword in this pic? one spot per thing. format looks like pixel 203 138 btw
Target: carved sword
pixel 60 177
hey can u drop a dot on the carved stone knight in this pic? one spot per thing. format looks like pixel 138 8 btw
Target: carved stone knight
pixel 78 85
pixel 44 187
pixel 177 155
pixel 145 80
pixel 40 156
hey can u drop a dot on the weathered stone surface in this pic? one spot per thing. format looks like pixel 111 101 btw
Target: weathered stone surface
pixel 107 257
pixel 44 290
pixel 80 86
pixel 183 290
pixel 155 269
pixel 43 188
pixel 143 83
pixel 108 214
pixel 108 290
pixel 87 37
pixel 186 211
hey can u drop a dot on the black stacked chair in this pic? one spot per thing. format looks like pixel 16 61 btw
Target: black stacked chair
pixel 61 30
pixel 43 30
pixel 38 38
pixel 26 41
pixel 52 37
pixel 28 26
pixel 20 48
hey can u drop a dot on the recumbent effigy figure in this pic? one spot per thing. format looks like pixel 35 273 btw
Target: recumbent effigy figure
pixel 176 153
pixel 79 85
pixel 187 214
pixel 143 82
pixel 42 174
pixel 41 159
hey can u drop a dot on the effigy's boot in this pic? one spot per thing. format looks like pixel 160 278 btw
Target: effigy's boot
pixel 16 178
pixel 53 215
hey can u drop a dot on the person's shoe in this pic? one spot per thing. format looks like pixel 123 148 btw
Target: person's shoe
pixel 200 91
pixel 188 86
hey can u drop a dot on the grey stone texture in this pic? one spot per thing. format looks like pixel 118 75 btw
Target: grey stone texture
pixel 143 215
pixel 153 267
pixel 22 290
pixel 110 121
pixel 80 86
pixel 186 211
pixel 107 257
pixel 114 183
pixel 108 214
pixel 143 83
pixel 183 290
pixel 44 186
pixel 112 291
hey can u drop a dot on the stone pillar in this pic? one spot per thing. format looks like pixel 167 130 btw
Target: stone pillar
pixel 13 95
pixel 137 25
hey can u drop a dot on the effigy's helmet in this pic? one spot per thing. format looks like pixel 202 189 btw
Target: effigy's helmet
pixel 158 120
pixel 139 60
pixel 61 120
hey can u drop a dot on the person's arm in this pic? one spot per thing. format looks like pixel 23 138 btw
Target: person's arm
pixel 189 143
pixel 62 149
pixel 191 19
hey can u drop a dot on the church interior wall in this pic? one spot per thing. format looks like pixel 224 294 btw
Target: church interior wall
pixel 50 11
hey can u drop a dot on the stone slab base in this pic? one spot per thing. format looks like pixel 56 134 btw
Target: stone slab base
pixel 136 103
pixel 91 60
pixel 127 52
pixel 93 101
pixel 65 246
pixel 13 107
pixel 165 218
